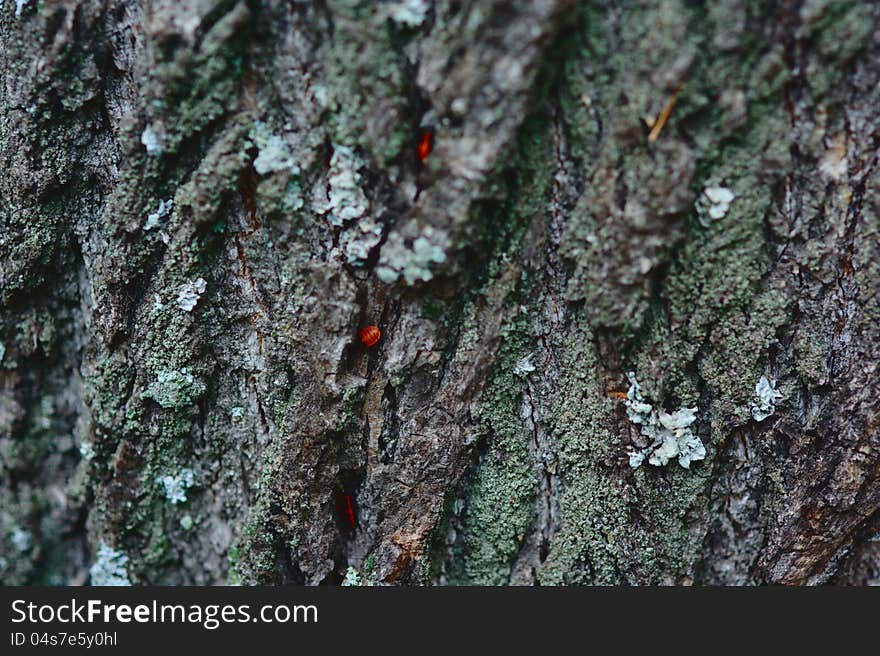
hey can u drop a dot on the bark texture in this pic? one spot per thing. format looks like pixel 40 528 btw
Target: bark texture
pixel 205 201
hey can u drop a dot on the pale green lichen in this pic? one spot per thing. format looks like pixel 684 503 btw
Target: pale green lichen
pixel 175 388
pixel 365 70
pixel 524 367
pixel 413 264
pixel 152 141
pixel 410 13
pixel 176 485
pixel 153 218
pixel 670 435
pixel 109 568
pixel 86 450
pixel 345 198
pixel 352 578
pixel 346 206
pixel 188 294
pixel 766 398
pixel 21 539
pixel 714 204
pixel 274 154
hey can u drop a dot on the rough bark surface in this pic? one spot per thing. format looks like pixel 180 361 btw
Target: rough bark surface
pixel 204 201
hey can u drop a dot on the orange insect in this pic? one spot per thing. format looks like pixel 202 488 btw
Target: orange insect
pixel 424 147
pixel 370 336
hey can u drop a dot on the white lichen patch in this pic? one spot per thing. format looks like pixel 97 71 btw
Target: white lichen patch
pixel 176 485
pixel 345 205
pixel 714 203
pixel 352 577
pixel 109 568
pixel 21 539
pixel 670 435
pixel 345 199
pixel 86 451
pixel 186 522
pixel 766 398
pixel 237 414
pixel 410 13
pixel 2 351
pixel 293 196
pixel 151 141
pixel 412 264
pixel 524 367
pixel 274 154
pixel 833 163
pixel 19 7
pixel 161 212
pixel 360 239
pixel 189 293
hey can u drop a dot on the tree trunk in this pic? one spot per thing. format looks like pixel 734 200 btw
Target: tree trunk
pixel 624 258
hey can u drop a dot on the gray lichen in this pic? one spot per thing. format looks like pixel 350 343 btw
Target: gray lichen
pixel 714 203
pixel 176 388
pixel 670 435
pixel 161 212
pixel 413 264
pixel 110 567
pixel 352 577
pixel 766 398
pixel 410 13
pixel 151 141
pixel 87 451
pixel 189 293
pixel 346 205
pixel 345 198
pixel 360 239
pixel 22 539
pixel 274 154
pixel 524 367
pixel 176 485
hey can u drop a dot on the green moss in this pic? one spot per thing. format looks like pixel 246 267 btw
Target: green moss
pixel 616 525
pixel 218 174
pixel 365 66
pixel 232 558
pixel 192 88
pixel 499 507
pixel 175 389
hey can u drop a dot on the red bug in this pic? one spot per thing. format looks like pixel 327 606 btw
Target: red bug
pixel 370 336
pixel 425 144
pixel 349 509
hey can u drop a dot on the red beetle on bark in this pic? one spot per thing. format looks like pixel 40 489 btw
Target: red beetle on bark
pixel 370 336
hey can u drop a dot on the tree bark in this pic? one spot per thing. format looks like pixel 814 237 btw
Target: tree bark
pixel 205 201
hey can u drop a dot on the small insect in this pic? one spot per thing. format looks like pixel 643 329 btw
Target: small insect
pixel 349 509
pixel 425 144
pixel 616 394
pixel 370 336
